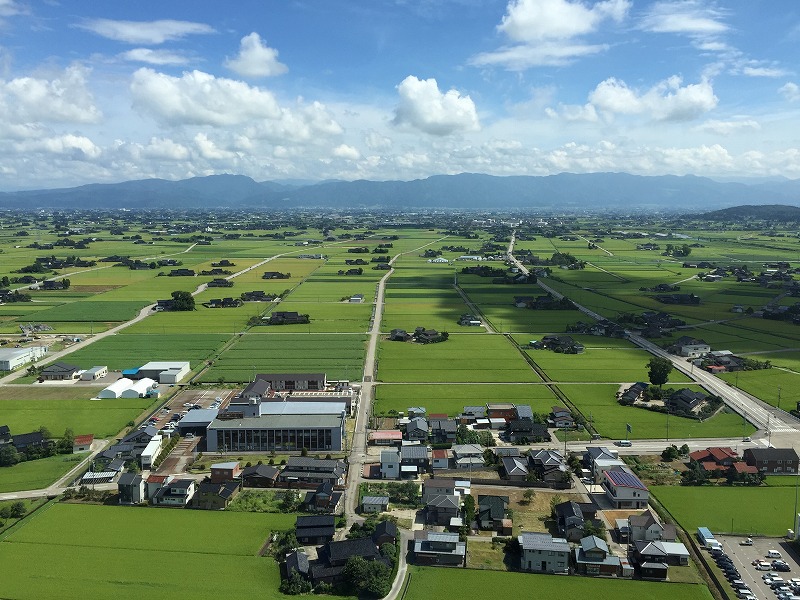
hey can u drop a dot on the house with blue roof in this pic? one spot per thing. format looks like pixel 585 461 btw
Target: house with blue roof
pixel 624 489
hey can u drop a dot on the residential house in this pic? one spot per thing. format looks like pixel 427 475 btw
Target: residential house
pixel 297 562
pixel 374 504
pixel 385 437
pixel 287 318
pixel 657 571
pixel 542 553
pixel 329 567
pixel 323 499
pixel 492 511
pixel 647 528
pixel 417 429
pixel 154 483
pixel 178 492
pixel 515 467
pixel 260 476
pixel 313 530
pixel 685 400
pixel 305 469
pixel 599 458
pixel 439 549
pixel 5 435
pixel 670 553
pixel 443 431
pixel 385 533
pixel 413 460
pixel 440 459
pixel 442 509
pixel 525 430
pixel 593 557
pixel 501 452
pixel 570 521
pixel 624 489
pixel 468 456
pixel 23 442
pixel 690 347
pixel 772 461
pixel 390 464
pixel 399 335
pixel 634 393
pixel 60 371
pixel 216 495
pixel 227 471
pixel 715 458
pixel 82 443
pixel 549 466
pixel 501 410
pixel 437 487
pixel 561 418
pixel 131 488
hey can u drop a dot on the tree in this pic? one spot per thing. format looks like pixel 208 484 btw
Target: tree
pixel 295 585
pixel 183 301
pixel 469 509
pixel 555 501
pixel 658 370
pixel 529 495
pixel 65 444
pixel 8 455
pixel 670 453
pixel 18 510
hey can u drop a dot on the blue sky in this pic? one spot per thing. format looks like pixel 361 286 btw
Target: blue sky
pixel 396 89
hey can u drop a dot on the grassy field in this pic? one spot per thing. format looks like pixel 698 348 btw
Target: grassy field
pixel 462 358
pixel 198 554
pixel 125 351
pixel 431 582
pixel 452 399
pixel 742 510
pixel 37 474
pixel 27 408
pixel 339 356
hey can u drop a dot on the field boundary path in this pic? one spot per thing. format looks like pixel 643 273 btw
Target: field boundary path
pixel 759 413
pixel 358 447
pixel 487 324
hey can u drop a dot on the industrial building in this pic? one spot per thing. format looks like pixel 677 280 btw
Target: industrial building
pixel 316 432
pixel 14 358
pixel 166 372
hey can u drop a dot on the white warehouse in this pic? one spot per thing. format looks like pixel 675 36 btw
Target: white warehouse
pixel 151 451
pixel 139 389
pixel 14 358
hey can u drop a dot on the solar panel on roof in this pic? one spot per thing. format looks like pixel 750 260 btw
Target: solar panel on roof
pixel 626 479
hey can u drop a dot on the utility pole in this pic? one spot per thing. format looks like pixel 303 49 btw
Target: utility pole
pixel 779 397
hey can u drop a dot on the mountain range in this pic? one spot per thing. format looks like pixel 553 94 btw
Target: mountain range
pixel 562 192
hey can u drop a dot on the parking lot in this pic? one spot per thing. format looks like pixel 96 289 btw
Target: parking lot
pixel 185 400
pixel 743 556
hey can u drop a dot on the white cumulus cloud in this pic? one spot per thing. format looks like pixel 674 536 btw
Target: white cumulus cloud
pixel 74 146
pixel 256 59
pixel 790 91
pixel 763 72
pixel 154 57
pixel 345 151
pixel 548 32
pixel 65 98
pixel 200 98
pixel 144 32
pixel 423 107
pixel 209 149
pixel 688 17
pixel 666 101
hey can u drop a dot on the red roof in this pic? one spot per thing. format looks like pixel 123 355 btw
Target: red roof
pixel 742 467
pixel 83 440
pixel 439 453
pixel 710 465
pixel 386 434
pixel 721 454
pixel 700 455
pixel 157 478
pixel 437 416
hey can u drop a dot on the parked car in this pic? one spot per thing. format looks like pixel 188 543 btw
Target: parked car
pixel 747 542
pixel 774 554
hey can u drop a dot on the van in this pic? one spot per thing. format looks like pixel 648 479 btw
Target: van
pixel 624 443
pixel 774 554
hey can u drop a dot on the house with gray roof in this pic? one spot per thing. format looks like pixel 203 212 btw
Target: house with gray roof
pixel 441 509
pixel 542 553
pixel 492 511
pixel 570 521
pixel 515 467
pixel 414 460
pixel 593 557
pixel 417 430
pixel 131 488
pixel 434 548
pixel 390 464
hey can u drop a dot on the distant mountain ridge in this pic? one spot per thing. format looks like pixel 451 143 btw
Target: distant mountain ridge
pixel 766 212
pixel 565 191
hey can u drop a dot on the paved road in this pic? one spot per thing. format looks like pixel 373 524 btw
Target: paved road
pixel 761 414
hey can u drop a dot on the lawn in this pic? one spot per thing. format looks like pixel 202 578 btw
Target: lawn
pixel 443 584
pixel 37 474
pixel 462 358
pixel 27 408
pixel 126 552
pixel 741 510
pixel 451 399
